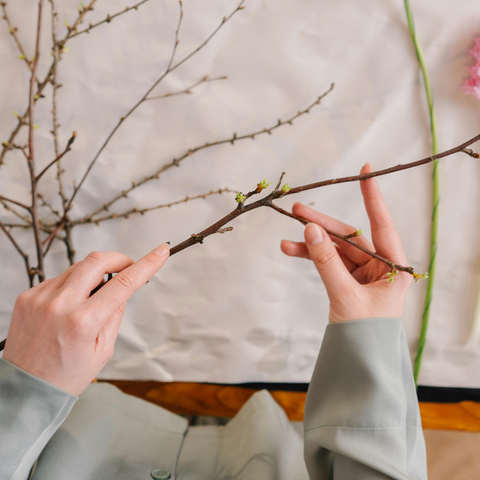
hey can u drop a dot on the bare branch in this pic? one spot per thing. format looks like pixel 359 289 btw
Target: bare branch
pixel 142 211
pixel 346 238
pixel 59 157
pixel 122 119
pixel 107 19
pixel 5 199
pixel 397 168
pixel 189 89
pixel 13 32
pixel 267 202
pixel 15 212
pixel 176 161
pixel 22 119
pixel 20 251
pixel 31 156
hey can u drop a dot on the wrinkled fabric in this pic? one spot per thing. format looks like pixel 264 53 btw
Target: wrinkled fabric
pixel 361 422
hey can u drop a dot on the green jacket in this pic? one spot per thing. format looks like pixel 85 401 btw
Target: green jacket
pixel 362 422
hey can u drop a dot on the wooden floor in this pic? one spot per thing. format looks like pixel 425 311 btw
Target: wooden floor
pixel 225 401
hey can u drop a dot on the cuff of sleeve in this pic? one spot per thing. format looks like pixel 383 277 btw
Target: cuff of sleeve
pixel 363 365
pixel 31 410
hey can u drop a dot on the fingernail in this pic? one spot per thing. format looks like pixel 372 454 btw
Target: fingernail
pixel 162 250
pixel 313 234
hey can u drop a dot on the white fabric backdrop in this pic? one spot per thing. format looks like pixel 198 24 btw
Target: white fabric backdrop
pixel 236 309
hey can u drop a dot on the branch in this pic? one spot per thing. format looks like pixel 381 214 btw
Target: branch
pixel 59 157
pixel 48 205
pixel 188 90
pixel 20 251
pixel 108 19
pixel 461 148
pixel 176 161
pixel 167 71
pixel 142 211
pixel 31 156
pixel 347 238
pixel 15 212
pixel 278 193
pixel 13 32
pixel 22 119
pixel 5 199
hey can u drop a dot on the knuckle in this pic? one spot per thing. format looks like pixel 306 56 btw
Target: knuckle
pixel 23 299
pixel 54 307
pixel 127 279
pixel 77 323
pixel 96 257
pixel 325 258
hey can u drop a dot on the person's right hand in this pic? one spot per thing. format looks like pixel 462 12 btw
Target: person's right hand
pixel 62 335
pixel 357 285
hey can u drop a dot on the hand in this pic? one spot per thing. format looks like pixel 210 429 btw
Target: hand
pixel 62 335
pixel 357 285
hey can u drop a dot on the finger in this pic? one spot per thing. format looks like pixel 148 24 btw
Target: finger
pixel 351 266
pixel 299 249
pixel 325 256
pixel 294 249
pixel 90 271
pixel 384 234
pixel 356 255
pixel 123 285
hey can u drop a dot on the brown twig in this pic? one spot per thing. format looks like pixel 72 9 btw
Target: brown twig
pixel 5 199
pixel 107 19
pixel 176 161
pixel 13 32
pixel 22 119
pixel 55 126
pixel 189 89
pixel 31 154
pixel 397 168
pixel 278 193
pixel 15 212
pixel 170 68
pixel 347 239
pixel 59 157
pixel 142 211
pixel 20 251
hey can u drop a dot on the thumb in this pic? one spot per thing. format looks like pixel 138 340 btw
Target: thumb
pixel 330 266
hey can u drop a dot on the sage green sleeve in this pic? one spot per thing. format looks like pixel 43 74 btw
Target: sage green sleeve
pixel 362 419
pixel 31 410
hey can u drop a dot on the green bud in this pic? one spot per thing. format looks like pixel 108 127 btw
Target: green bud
pixel 240 198
pixel 286 188
pixel 21 57
pixel 392 275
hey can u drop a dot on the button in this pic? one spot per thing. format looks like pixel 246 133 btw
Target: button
pixel 160 474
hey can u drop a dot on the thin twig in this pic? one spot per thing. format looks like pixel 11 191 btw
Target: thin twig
pixel 347 239
pixel 397 168
pixel 189 89
pixel 48 241
pixel 278 193
pixel 5 199
pixel 107 19
pixel 59 157
pixel 48 205
pixel 22 119
pixel 19 250
pixel 55 126
pixel 13 32
pixel 176 161
pixel 142 211
pixel 31 155
pixel 15 212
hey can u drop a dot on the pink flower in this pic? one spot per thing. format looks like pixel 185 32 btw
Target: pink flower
pixel 472 85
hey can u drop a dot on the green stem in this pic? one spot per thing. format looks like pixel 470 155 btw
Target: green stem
pixel 434 230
